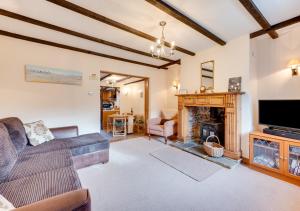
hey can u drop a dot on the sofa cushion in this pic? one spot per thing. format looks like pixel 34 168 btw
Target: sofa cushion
pixel 83 140
pixel 44 148
pixel 37 187
pixel 90 148
pixel 8 153
pixel 28 165
pixel 38 133
pixel 71 143
pixel 16 131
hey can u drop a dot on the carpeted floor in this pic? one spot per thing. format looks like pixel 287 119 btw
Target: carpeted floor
pixel 133 180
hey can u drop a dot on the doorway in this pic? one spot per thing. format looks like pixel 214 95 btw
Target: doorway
pixel 124 104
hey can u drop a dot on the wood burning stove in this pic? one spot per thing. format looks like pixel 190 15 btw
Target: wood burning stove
pixel 208 128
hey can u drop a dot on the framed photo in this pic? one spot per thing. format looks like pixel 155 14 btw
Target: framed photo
pixel 234 84
pixel 52 75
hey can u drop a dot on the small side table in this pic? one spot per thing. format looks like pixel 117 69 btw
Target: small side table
pixel 119 125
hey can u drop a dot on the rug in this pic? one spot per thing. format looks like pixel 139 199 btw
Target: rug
pixel 198 150
pixel 186 163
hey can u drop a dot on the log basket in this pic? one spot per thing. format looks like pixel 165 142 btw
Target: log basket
pixel 213 149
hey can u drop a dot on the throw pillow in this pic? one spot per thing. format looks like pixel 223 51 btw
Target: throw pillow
pixel 16 132
pixel 8 153
pixel 38 133
pixel 163 121
pixel 5 205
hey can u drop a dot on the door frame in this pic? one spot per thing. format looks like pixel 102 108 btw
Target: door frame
pixel 146 95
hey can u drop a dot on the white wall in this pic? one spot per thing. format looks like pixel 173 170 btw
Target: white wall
pixel 56 104
pixel 130 97
pixel 270 58
pixel 231 60
pixel 173 74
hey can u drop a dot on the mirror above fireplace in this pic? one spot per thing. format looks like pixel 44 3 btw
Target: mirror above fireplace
pixel 207 75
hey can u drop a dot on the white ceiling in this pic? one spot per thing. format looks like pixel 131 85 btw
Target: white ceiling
pixel 226 18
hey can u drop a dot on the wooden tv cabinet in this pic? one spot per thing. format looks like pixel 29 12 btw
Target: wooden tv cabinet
pixel 275 154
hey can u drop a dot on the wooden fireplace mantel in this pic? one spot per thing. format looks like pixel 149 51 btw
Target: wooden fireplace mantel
pixel 230 101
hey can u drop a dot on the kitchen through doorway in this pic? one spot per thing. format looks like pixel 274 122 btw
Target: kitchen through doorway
pixel 124 104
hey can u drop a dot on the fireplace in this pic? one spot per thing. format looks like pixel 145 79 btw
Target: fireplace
pixel 205 121
pixel 217 113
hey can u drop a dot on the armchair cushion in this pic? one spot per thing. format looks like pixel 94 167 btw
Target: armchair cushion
pixel 170 123
pixel 154 121
pixel 159 128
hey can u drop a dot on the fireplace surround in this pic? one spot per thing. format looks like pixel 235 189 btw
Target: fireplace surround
pixel 229 101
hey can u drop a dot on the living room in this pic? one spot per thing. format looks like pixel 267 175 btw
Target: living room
pixel 231 75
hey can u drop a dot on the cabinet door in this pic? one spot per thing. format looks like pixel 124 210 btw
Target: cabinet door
pixel 266 153
pixel 292 159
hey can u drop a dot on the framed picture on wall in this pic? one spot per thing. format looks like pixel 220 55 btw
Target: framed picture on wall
pixel 234 84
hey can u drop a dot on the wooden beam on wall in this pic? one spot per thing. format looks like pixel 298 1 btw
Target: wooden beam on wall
pixel 186 20
pixel 81 50
pixel 103 19
pixel 170 63
pixel 74 33
pixel 276 26
pixel 259 17
pixel 133 82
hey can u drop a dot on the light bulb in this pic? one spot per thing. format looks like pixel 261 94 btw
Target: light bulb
pixel 152 48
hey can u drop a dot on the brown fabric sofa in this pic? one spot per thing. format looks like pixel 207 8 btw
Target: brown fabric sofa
pixel 44 177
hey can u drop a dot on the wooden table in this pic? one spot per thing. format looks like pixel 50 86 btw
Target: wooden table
pixel 117 123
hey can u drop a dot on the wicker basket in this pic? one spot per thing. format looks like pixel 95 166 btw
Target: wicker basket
pixel 213 149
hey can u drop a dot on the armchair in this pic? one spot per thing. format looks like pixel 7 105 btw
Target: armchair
pixel 161 127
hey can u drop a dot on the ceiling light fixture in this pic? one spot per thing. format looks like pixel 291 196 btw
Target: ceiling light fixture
pixel 158 49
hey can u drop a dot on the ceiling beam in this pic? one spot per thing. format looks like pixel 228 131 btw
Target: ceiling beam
pixel 258 16
pixel 58 45
pixel 133 82
pixel 108 21
pixel 170 63
pixel 186 20
pixel 123 79
pixel 74 33
pixel 276 26
pixel 102 78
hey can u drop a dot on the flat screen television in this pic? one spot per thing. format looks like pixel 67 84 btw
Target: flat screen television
pixel 280 113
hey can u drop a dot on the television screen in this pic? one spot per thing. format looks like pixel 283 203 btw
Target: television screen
pixel 280 113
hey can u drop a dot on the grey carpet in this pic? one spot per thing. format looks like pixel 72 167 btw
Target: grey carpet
pixel 188 164
pixel 133 180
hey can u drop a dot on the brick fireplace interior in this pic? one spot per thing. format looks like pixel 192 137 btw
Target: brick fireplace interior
pixel 204 121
